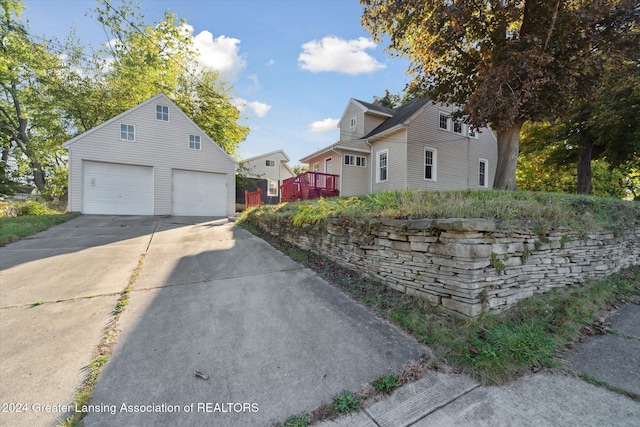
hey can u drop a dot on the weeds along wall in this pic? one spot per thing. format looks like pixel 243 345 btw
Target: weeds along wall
pixel 469 266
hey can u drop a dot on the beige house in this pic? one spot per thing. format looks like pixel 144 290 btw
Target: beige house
pixel 150 160
pixel 417 145
pixel 271 166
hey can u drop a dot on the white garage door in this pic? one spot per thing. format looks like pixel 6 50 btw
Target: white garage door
pixel 199 193
pixel 115 189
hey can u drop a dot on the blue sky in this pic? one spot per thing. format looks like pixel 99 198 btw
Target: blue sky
pixel 294 64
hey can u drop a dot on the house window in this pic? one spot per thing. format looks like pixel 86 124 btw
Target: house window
pixel 430 163
pixel 444 121
pixel 382 169
pixel 127 132
pixel 457 127
pixel 271 163
pixel 272 189
pixel 482 173
pixel 473 133
pixel 354 160
pixel 194 142
pixel 162 113
pixel 316 167
pixel 353 122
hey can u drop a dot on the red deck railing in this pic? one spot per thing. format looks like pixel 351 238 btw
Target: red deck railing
pixel 309 185
pixel 252 199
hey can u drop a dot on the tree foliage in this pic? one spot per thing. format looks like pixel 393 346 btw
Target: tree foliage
pixel 142 60
pixel 548 162
pixel 50 92
pixel 31 125
pixel 505 61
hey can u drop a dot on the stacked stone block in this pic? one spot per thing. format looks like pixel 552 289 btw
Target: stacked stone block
pixel 468 266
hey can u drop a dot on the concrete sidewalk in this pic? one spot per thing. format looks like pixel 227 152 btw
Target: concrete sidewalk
pixel 543 399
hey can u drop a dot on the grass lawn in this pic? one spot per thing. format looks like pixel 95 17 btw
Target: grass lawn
pixel 16 228
pixel 548 210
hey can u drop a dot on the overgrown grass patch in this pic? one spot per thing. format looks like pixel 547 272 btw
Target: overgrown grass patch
pixel 16 228
pixel 547 210
pixel 494 348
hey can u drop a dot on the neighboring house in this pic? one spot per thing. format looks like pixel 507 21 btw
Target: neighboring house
pixel 266 172
pixel 417 145
pixel 150 160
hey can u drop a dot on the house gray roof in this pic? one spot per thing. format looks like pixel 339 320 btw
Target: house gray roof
pixel 399 116
pixel 376 107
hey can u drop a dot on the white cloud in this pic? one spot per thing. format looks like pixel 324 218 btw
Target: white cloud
pixel 255 82
pixel 336 54
pixel 325 125
pixel 259 108
pixel 219 53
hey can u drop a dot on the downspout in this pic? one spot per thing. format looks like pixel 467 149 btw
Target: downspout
pixel 339 154
pixel 370 166
pixel 279 181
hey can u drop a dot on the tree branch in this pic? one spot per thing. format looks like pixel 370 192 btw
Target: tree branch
pixel 553 24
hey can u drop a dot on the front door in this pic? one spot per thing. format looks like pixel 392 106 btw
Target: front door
pixel 327 166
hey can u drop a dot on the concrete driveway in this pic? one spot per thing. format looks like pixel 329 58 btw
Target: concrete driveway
pixel 273 338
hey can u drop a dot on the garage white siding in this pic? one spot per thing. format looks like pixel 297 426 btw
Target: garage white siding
pixel 199 193
pixel 159 144
pixel 117 189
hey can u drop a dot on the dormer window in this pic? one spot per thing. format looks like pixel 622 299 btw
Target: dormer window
pixel 162 113
pixel 457 126
pixel 127 132
pixel 443 123
pixel 353 122
pixel 271 163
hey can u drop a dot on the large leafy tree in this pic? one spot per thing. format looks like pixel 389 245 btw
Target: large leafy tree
pixel 505 61
pixel 31 125
pixel 142 60
pixel 604 131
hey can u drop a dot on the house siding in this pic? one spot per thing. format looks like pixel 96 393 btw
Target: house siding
pixel 348 133
pixel 457 156
pixel 257 167
pixel 161 145
pixel 371 122
pixel 354 180
pixel 397 161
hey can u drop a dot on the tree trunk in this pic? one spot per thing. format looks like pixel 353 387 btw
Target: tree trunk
pixel 508 150
pixel 39 179
pixel 584 167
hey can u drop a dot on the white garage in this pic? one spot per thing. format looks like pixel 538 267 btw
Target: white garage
pixel 117 189
pixel 198 193
pixel 150 160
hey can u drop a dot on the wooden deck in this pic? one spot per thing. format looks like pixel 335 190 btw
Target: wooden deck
pixel 309 185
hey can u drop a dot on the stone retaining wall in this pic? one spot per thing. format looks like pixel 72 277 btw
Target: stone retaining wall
pixel 468 266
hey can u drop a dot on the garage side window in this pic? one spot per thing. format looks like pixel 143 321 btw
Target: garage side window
pixel 194 142
pixel 127 132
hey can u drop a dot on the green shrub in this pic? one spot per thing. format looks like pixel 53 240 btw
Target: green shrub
pixel 33 208
pixel 8 209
